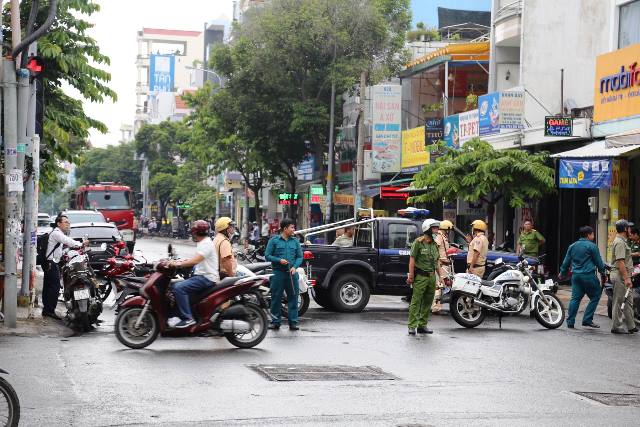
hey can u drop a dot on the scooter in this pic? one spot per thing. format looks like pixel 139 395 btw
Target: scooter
pixel 234 308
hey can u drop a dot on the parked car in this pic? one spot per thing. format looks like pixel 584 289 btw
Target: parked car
pixel 377 263
pixel 97 233
pixel 44 223
pixel 77 216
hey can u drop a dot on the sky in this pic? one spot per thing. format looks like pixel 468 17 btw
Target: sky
pixel 118 21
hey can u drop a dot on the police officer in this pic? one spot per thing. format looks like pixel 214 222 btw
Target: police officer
pixel 621 279
pixel 584 258
pixel 285 254
pixel 423 266
pixel 478 249
pixel 442 240
pixel 530 240
pixel 634 244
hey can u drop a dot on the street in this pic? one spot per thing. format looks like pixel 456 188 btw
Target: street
pixel 521 374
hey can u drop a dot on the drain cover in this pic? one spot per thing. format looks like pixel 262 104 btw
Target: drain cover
pixel 321 373
pixel 612 399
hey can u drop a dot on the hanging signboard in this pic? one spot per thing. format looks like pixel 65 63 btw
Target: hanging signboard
pixel 452 132
pixel 413 148
pixel 489 114
pixel 386 138
pixel 392 193
pixel 161 72
pixel 511 110
pixel 617 85
pixel 433 131
pixel 558 126
pixel 468 124
pixel 584 173
pixel 288 199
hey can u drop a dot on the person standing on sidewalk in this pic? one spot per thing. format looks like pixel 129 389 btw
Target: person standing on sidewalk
pixel 58 239
pixel 285 254
pixel 634 244
pixel 621 279
pixel 530 240
pixel 423 266
pixel 584 258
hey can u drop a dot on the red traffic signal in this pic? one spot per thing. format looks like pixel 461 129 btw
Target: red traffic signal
pixel 35 65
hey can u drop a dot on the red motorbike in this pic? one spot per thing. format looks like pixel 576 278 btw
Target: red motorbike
pixel 234 308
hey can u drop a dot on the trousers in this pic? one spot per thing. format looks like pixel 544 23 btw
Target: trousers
pixel 50 287
pixel 183 289
pixel 618 315
pixel 280 282
pixel 424 290
pixel 582 284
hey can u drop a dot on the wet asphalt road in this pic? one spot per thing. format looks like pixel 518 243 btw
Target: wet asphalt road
pixel 521 374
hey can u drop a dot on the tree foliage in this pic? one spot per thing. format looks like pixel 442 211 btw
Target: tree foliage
pixel 479 172
pixel 115 163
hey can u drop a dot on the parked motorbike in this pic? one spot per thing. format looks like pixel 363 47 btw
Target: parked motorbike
pixel 224 310
pixel 9 403
pixel 472 298
pixel 80 290
pixel 634 294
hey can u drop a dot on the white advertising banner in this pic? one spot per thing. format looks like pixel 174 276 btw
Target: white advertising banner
pixel 468 126
pixel 511 110
pixel 386 137
pixel 368 166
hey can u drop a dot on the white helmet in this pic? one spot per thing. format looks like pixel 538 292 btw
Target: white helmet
pixel 428 223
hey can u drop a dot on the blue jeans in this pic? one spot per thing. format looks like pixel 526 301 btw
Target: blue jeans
pixel 582 284
pixel 280 282
pixel 182 290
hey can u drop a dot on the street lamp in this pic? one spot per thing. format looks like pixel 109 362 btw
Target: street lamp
pixel 220 80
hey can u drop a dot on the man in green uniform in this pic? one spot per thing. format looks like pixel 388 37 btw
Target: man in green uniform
pixel 634 244
pixel 621 279
pixel 423 265
pixel 285 254
pixel 530 240
pixel 584 258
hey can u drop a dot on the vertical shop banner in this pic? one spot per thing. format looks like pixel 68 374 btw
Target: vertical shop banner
pixel 585 173
pixel 161 72
pixel 451 132
pixel 414 152
pixel 511 110
pixel 618 197
pixel 433 131
pixel 617 85
pixel 468 122
pixel 386 139
pixel 489 113
pixel 369 174
pixel 305 168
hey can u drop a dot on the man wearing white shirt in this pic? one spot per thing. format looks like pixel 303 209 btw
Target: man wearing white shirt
pixel 58 239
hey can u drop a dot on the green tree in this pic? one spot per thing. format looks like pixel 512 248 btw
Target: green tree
pixel 71 59
pixel 115 163
pixel 478 172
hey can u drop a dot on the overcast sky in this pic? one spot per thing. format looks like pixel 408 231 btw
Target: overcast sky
pixel 115 30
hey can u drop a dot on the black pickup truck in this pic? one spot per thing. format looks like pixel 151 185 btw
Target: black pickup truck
pixel 377 263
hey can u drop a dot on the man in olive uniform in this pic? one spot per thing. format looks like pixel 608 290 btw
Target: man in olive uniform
pixel 621 279
pixel 442 240
pixel 530 240
pixel 423 266
pixel 634 244
pixel 478 249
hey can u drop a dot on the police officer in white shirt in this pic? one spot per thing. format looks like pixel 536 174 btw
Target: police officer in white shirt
pixel 58 239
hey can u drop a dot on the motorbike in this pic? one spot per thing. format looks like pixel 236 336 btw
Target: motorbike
pixel 472 298
pixel 634 293
pixel 9 403
pixel 234 309
pixel 81 298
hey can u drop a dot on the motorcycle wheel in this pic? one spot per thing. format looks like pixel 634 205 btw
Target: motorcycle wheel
pixel 550 318
pixel 303 304
pixel 469 317
pixel 10 408
pixel 259 322
pixel 133 337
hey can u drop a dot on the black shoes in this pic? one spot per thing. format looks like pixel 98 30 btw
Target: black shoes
pixel 618 331
pixel 591 325
pixel 294 327
pixel 412 331
pixel 274 327
pixel 422 330
pixel 53 315
pixel 633 331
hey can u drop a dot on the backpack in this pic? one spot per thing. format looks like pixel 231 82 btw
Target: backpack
pixel 41 249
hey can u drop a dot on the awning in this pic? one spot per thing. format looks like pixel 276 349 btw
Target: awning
pixel 623 139
pixel 476 52
pixel 595 149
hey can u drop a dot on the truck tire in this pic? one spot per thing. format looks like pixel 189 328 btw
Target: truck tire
pixel 349 293
pixel 321 297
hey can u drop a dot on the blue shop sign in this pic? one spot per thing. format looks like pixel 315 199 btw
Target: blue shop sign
pixel 584 173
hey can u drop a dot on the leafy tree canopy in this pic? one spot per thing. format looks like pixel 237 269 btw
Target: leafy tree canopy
pixel 115 163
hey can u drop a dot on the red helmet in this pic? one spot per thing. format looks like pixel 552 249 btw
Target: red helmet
pixel 200 227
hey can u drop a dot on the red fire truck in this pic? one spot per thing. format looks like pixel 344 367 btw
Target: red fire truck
pixel 115 201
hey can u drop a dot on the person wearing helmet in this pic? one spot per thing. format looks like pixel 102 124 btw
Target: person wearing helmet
pixel 205 273
pixel 621 279
pixel 442 240
pixel 423 266
pixel 478 249
pixel 227 264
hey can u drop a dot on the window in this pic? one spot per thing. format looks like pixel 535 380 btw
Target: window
pixel 362 236
pixel 107 200
pixel 401 236
pixel 76 217
pixel 628 29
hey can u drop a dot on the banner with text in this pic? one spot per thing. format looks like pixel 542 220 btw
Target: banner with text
pixel 468 122
pixel 584 173
pixel 511 110
pixel 451 132
pixel 489 113
pixel 433 131
pixel 414 152
pixel 161 72
pixel 386 139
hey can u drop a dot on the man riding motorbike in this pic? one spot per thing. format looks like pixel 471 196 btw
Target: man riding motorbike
pixel 205 274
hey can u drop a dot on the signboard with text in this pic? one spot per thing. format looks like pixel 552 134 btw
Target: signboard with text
pixel 511 110
pixel 584 173
pixel 558 126
pixel 489 113
pixel 451 132
pixel 433 131
pixel 161 73
pixel 386 138
pixel 617 85
pixel 414 152
pixel 468 125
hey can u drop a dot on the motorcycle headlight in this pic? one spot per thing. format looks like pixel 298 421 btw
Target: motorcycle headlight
pixel 525 279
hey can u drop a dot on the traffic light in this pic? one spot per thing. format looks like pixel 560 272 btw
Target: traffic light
pixel 35 65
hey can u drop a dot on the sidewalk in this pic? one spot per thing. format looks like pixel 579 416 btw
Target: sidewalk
pixel 564 294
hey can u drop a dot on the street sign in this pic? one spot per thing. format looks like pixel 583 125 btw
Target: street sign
pixel 558 126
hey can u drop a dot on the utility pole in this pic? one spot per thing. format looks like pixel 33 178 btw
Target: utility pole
pixel 360 155
pixel 329 213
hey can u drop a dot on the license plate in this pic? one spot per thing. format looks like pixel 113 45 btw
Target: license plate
pixel 95 248
pixel 81 294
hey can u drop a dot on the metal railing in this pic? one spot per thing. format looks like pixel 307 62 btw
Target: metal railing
pixel 508 10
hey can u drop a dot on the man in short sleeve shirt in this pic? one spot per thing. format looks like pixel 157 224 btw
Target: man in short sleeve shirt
pixel 621 279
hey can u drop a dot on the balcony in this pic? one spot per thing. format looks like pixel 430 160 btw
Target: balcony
pixel 508 24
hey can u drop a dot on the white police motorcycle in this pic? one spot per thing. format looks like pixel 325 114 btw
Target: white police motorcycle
pixel 472 298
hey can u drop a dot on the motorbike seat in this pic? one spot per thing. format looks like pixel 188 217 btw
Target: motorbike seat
pixel 224 283
pixel 487 283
